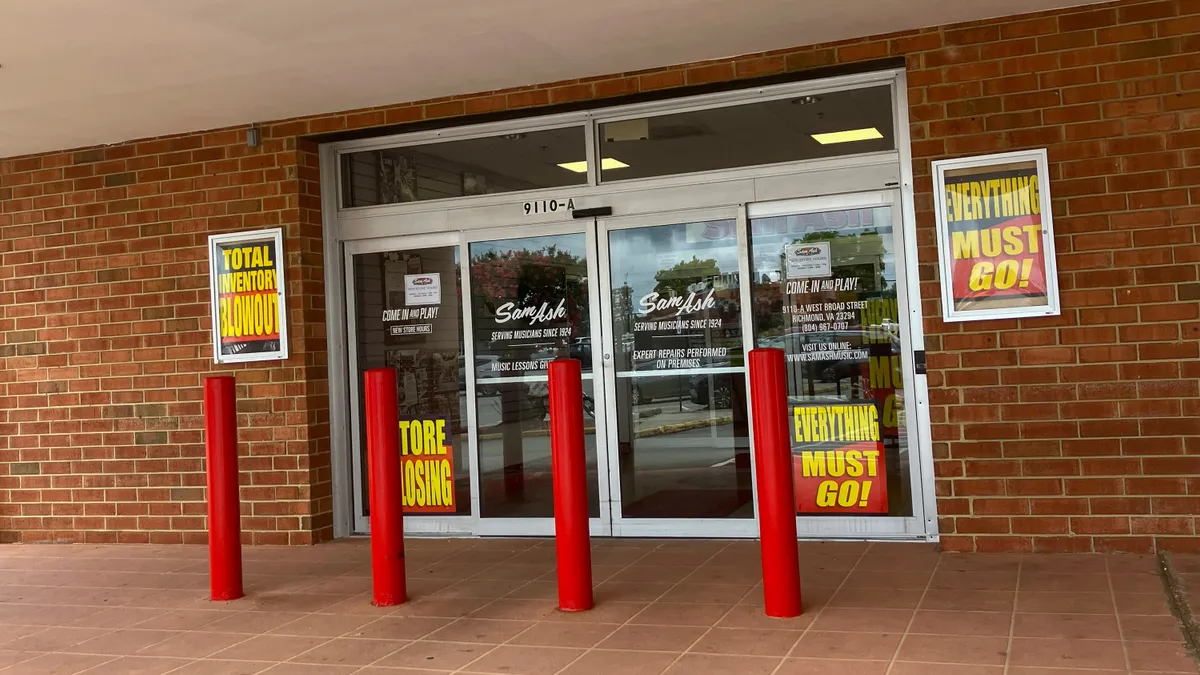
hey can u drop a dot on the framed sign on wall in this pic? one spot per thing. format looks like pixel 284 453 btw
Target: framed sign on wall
pixel 249 312
pixel 995 237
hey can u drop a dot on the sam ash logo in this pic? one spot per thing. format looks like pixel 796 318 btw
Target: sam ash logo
pixel 806 252
pixel 422 281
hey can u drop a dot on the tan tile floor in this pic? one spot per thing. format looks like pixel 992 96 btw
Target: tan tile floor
pixel 678 607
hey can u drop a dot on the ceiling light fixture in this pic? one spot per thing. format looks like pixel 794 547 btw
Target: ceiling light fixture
pixel 608 163
pixel 848 136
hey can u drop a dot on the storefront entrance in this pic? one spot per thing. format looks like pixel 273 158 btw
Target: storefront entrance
pixel 659 292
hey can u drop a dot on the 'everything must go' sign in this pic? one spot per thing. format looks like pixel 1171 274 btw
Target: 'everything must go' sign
pixel 248 309
pixel 995 237
pixel 837 451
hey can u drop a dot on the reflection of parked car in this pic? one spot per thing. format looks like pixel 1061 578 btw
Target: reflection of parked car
pixel 581 349
pixel 545 354
pixel 483 371
pixel 655 387
pixel 693 386
pixel 722 388
pixel 833 370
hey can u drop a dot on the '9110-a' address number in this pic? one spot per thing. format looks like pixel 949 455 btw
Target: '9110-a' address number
pixel 541 206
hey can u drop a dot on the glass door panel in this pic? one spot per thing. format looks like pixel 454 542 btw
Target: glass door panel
pixel 682 444
pixel 407 315
pixel 530 304
pixel 827 290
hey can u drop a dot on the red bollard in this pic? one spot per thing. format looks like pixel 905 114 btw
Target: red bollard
pixel 569 465
pixel 776 491
pixel 385 483
pixel 224 506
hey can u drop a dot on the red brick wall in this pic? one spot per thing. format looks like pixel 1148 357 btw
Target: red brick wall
pixel 1075 433
pixel 104 318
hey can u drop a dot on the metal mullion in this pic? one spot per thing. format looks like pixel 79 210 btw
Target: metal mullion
pixel 468 324
pixel 607 348
pixel 592 152
pixel 361 523
pixel 600 403
pixel 715 370
pixel 510 232
pixel 746 296
pixel 839 202
pixel 909 431
pixel 672 217
pixel 540 376
pixel 920 426
pixel 335 311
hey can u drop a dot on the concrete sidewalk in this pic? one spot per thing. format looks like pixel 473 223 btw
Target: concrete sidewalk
pixel 681 607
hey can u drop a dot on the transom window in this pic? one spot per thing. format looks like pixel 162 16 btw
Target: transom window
pixel 763 132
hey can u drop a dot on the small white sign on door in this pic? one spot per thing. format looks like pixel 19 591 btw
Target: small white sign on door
pixel 808 260
pixel 423 289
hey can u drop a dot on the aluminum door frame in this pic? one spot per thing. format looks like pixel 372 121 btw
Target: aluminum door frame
pixel 413 524
pixel 670 214
pixel 919 449
pixel 473 524
pixel 539 527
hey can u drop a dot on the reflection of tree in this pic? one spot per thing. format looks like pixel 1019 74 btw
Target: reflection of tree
pixel 530 278
pixel 855 255
pixel 676 280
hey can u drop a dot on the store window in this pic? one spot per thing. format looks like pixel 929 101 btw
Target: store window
pixel 825 291
pixel 408 316
pixel 683 437
pixel 477 166
pixel 786 130
pixel 529 305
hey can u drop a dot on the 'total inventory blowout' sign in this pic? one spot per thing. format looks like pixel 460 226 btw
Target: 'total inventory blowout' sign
pixel 249 314
pixel 996 237
pixel 838 456
pixel 427 466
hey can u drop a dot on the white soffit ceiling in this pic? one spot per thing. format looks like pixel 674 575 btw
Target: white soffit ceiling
pixel 75 73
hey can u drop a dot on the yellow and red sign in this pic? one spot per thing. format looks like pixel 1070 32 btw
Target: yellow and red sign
pixel 249 317
pixel 996 237
pixel 995 233
pixel 838 455
pixel 427 466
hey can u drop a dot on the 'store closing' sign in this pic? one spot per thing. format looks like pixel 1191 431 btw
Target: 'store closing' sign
pixel 838 459
pixel 427 466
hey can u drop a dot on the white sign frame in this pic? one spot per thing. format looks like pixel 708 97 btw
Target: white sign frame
pixel 945 263
pixel 435 288
pixel 826 260
pixel 275 234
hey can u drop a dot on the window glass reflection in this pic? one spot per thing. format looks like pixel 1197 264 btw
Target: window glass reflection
pixel 764 132
pixel 529 304
pixel 408 317
pixel 529 299
pixel 825 291
pixel 683 440
pixel 514 450
pixel 475 166
pixel 676 302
